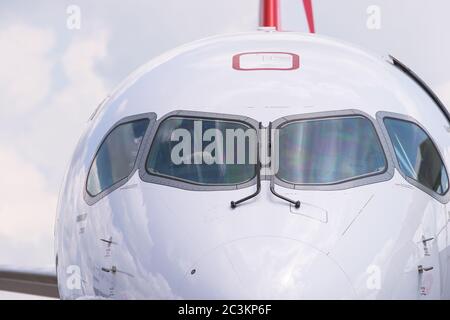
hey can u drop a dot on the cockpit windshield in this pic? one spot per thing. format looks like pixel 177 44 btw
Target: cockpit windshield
pixel 204 151
pixel 329 150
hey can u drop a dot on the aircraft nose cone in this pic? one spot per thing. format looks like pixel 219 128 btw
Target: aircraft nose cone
pixel 267 268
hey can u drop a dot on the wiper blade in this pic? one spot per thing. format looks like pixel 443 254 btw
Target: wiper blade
pixel 297 203
pixel 234 204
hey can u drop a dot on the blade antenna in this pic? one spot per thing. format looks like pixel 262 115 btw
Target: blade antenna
pixel 307 4
pixel 270 14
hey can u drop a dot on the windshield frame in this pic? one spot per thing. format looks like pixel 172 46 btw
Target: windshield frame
pixel 93 199
pixel 179 183
pixel 352 182
pixel 381 116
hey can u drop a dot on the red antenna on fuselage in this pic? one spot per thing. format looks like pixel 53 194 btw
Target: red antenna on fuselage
pixel 309 15
pixel 270 14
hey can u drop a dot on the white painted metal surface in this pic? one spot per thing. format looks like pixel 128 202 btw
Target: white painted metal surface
pixel 362 243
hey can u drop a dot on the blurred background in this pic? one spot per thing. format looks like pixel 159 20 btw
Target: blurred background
pixel 59 59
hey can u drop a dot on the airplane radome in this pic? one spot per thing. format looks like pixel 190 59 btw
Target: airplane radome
pixel 357 208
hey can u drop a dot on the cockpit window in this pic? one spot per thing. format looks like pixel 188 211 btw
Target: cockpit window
pixel 116 156
pixel 417 156
pixel 329 151
pixel 204 151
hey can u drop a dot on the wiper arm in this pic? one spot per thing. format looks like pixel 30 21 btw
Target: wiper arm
pixel 234 204
pixel 297 203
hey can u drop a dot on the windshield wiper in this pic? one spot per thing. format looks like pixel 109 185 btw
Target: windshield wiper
pixel 272 178
pixel 234 204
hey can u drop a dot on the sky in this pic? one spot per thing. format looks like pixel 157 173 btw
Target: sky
pixel 52 77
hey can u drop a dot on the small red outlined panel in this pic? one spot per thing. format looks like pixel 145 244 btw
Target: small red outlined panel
pixel 253 61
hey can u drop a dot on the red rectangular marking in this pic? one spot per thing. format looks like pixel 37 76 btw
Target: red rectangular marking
pixel 254 61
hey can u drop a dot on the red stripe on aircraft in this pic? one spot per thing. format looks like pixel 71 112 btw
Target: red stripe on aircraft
pixel 309 14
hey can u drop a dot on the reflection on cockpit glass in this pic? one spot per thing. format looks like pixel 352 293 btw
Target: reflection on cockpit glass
pixel 116 156
pixel 204 151
pixel 417 156
pixel 329 150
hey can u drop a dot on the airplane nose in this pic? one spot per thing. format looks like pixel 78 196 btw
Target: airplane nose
pixel 267 268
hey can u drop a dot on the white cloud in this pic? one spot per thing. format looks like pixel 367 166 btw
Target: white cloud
pixel 25 68
pixel 55 127
pixel 34 159
pixel 27 213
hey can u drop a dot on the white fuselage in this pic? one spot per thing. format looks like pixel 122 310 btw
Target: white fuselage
pixel 150 240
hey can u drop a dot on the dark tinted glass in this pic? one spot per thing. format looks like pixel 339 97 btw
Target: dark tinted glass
pixel 417 155
pixel 116 157
pixel 327 151
pixel 175 154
